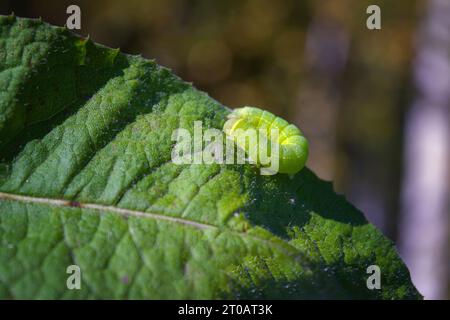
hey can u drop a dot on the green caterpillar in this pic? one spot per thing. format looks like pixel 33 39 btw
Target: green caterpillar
pixel 292 145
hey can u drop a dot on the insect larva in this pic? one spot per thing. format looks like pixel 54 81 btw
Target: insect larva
pixel 293 146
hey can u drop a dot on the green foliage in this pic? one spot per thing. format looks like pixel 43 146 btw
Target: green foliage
pixel 86 179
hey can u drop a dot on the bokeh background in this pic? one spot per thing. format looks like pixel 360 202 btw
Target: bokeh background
pixel 374 104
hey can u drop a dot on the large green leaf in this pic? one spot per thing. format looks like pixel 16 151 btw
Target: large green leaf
pixel 86 178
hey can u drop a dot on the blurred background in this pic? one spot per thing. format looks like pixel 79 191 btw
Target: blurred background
pixel 374 104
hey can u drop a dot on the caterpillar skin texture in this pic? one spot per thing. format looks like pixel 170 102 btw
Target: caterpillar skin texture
pixel 293 146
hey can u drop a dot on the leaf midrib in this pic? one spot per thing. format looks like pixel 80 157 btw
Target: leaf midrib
pixel 99 207
pixel 286 248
